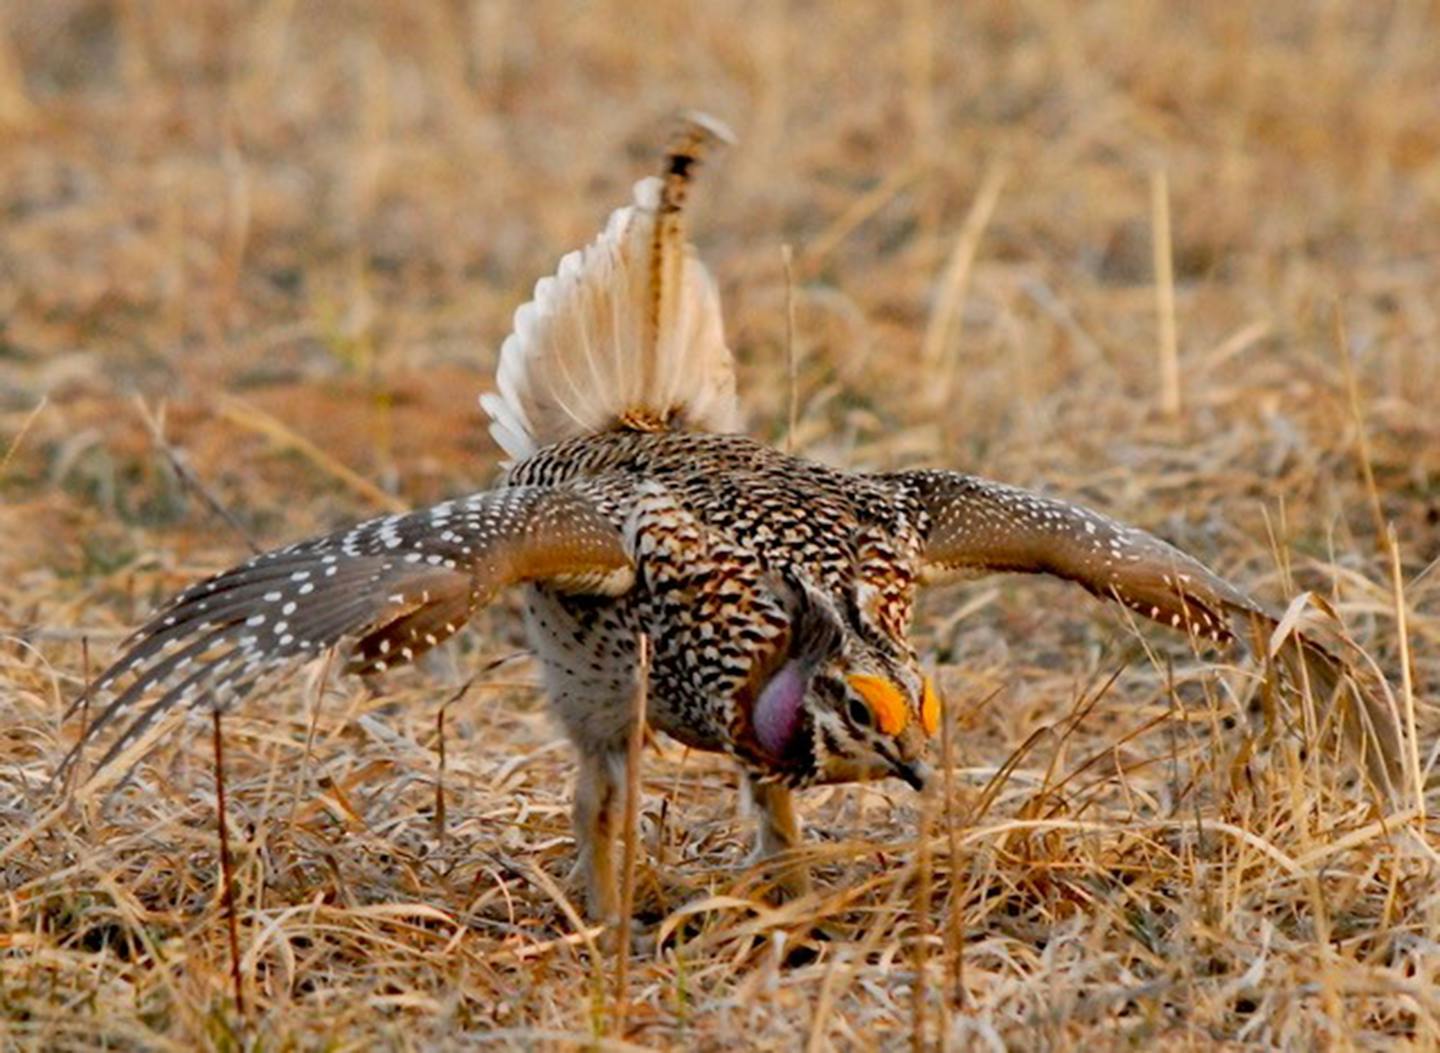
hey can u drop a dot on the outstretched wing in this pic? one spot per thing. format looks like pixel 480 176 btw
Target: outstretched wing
pixel 978 526
pixel 397 586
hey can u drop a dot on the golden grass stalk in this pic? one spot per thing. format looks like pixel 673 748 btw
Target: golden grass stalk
pixel 854 215
pixel 920 937
pixel 939 351
pixel 955 915
pixel 1407 686
pixel 792 362
pixel 16 109
pixel 155 424
pixel 1357 421
pixel 19 438
pixel 628 836
pixel 252 418
pixel 227 879
pixel 1167 343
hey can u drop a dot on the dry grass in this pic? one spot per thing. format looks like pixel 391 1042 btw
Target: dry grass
pixel 297 230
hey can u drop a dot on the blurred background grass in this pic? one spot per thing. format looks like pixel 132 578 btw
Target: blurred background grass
pixel 294 232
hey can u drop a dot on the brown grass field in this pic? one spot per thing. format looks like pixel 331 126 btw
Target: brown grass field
pixel 1178 261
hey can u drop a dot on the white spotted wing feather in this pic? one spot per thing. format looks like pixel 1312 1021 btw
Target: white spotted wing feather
pixel 979 526
pixel 394 587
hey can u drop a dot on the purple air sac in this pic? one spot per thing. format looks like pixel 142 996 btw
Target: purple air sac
pixel 778 709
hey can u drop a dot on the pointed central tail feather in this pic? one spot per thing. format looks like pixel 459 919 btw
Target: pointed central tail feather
pixel 977 526
pixel 627 333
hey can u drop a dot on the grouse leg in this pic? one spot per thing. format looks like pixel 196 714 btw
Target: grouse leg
pixel 599 794
pixel 778 834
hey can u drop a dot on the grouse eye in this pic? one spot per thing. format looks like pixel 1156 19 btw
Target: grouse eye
pixel 859 713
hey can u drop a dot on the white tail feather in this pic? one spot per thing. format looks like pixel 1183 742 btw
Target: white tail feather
pixel 627 333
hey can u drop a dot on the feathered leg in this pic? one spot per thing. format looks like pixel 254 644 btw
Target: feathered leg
pixel 599 793
pixel 778 833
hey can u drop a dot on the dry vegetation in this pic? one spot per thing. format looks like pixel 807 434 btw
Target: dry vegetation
pixel 292 233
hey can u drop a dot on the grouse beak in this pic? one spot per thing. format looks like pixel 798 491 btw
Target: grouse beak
pixel 908 759
pixel 916 772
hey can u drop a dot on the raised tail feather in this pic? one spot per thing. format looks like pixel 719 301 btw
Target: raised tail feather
pixel 627 333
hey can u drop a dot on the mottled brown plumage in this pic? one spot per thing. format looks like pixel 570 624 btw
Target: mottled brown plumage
pixel 777 592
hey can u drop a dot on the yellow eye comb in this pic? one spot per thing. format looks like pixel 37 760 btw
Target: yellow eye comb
pixel 885 702
pixel 930 708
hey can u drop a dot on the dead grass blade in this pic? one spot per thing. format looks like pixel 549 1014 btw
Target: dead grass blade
pixel 227 892
pixel 628 835
pixel 155 424
pixel 1407 686
pixel 938 352
pixel 19 438
pixel 1167 344
pixel 855 214
pixel 252 418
